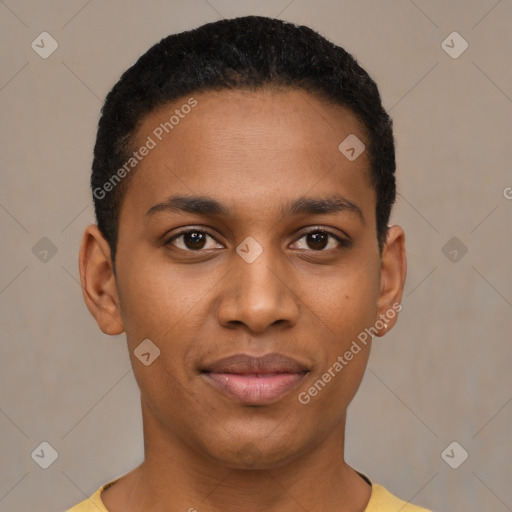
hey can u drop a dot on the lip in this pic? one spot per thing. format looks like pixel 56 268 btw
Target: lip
pixel 255 380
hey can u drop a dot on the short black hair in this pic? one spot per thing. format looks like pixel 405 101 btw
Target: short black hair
pixel 248 52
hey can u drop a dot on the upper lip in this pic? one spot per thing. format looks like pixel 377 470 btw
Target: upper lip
pixel 246 364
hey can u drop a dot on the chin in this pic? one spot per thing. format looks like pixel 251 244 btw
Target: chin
pixel 256 455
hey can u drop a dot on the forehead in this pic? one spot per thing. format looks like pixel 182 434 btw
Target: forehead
pixel 249 144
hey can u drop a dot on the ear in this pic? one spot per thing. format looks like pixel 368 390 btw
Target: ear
pixel 98 281
pixel 392 279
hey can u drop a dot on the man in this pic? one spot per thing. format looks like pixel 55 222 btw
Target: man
pixel 243 179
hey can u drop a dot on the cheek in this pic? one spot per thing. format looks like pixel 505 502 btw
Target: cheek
pixel 346 303
pixel 339 372
pixel 154 298
pixel 346 306
pixel 323 401
pixel 169 308
pixel 155 307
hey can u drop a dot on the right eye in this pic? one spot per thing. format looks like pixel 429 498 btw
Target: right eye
pixel 193 240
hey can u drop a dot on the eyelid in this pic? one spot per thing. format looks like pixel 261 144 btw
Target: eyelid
pixel 343 241
pixel 336 233
pixel 168 239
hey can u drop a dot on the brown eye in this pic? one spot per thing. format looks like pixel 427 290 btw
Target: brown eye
pixel 194 240
pixel 320 241
pixel 317 241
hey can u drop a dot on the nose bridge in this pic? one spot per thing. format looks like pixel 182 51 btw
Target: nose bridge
pixel 257 293
pixel 258 280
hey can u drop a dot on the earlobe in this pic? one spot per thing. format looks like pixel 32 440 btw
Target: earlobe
pixel 392 279
pixel 98 281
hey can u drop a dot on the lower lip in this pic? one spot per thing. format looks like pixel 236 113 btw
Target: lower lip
pixel 255 389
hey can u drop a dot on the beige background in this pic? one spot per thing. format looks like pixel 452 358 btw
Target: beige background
pixel 442 375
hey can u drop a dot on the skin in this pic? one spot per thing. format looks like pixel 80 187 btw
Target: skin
pixel 253 152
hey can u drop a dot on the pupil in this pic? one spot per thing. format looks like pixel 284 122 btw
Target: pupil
pixel 317 240
pixel 194 240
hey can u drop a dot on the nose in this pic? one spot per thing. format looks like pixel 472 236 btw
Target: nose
pixel 258 295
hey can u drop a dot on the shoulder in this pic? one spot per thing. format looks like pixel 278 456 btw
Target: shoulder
pixel 382 500
pixel 93 503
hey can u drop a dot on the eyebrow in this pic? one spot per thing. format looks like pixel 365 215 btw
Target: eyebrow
pixel 332 204
pixel 204 205
pixel 201 205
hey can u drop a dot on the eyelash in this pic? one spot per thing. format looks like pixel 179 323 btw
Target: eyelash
pixel 186 231
pixel 343 243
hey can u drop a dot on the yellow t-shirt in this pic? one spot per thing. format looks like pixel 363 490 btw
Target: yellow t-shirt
pixel 381 500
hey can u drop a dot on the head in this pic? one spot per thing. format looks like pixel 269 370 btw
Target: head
pixel 229 222
pixel 247 53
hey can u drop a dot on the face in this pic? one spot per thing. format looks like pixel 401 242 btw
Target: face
pixel 248 256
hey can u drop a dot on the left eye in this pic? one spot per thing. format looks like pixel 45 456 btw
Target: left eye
pixel 194 240
pixel 319 241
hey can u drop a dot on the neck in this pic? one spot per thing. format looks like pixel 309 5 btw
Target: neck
pixel 176 477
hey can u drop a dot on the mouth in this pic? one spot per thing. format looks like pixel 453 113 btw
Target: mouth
pixel 255 380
